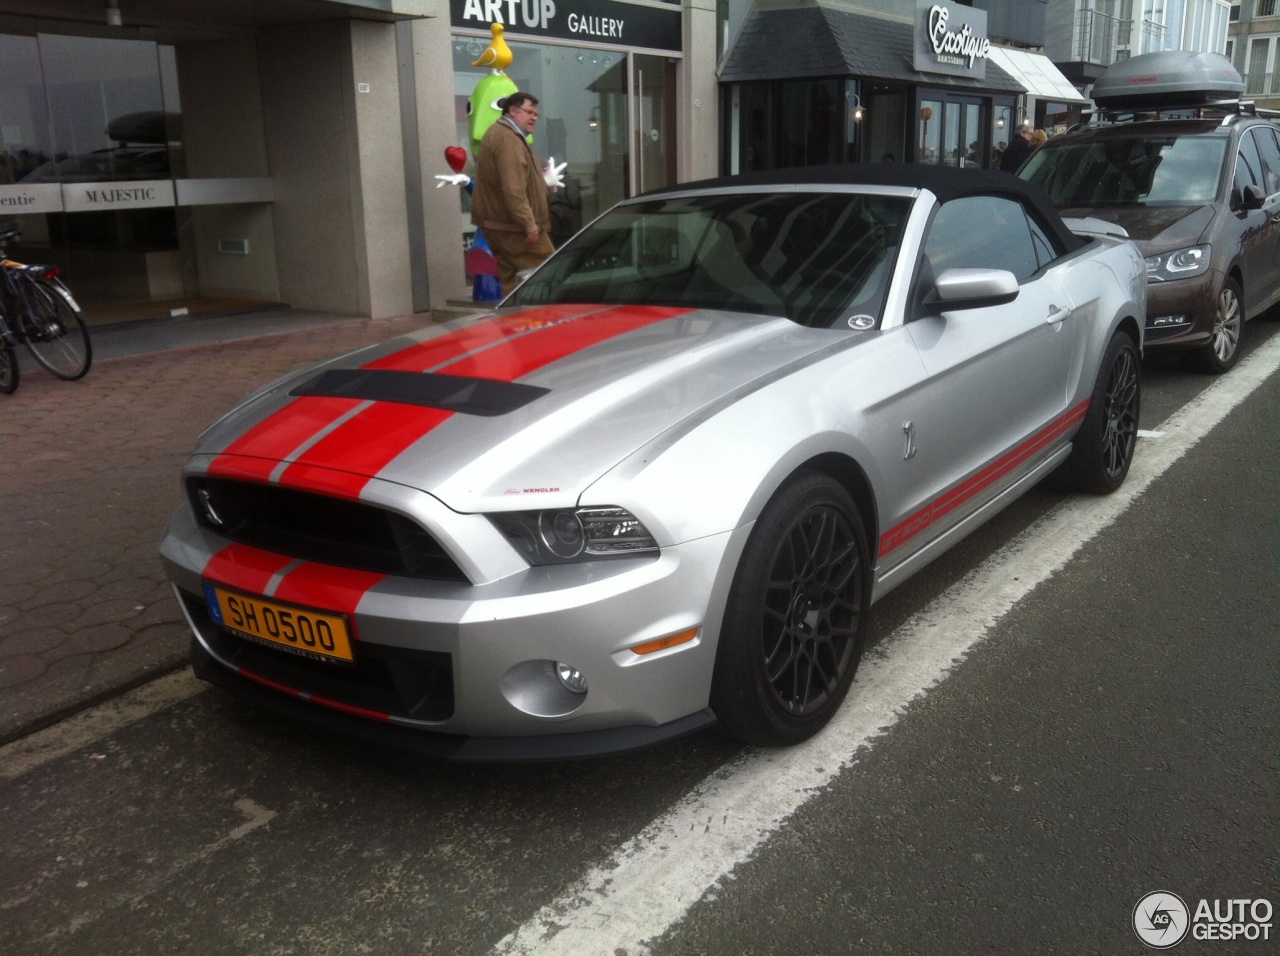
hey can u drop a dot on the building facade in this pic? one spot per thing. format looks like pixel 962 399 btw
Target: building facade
pixel 1253 46
pixel 206 154
pixel 1084 37
pixel 820 81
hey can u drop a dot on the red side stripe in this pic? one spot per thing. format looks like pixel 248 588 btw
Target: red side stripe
pixel 245 568
pixel 940 507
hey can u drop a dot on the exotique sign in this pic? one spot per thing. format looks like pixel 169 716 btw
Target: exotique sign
pixel 951 40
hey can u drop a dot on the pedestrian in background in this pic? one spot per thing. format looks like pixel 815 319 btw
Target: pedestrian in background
pixel 509 199
pixel 1019 149
pixel 1039 138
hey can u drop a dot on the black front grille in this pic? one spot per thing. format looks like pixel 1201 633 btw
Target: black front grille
pixel 387 680
pixel 299 524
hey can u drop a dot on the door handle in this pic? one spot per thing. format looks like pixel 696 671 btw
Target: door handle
pixel 1057 314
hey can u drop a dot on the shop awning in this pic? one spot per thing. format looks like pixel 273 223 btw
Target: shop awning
pixel 793 40
pixel 1037 74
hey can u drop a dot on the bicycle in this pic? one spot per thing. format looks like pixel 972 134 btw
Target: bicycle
pixel 38 310
pixel 8 359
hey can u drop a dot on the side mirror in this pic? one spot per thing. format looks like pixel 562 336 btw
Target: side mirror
pixel 1252 197
pixel 972 289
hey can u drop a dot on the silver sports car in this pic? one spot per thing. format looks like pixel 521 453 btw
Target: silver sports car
pixel 662 485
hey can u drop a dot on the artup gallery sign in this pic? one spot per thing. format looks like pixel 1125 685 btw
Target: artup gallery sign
pixel 590 22
pixel 951 40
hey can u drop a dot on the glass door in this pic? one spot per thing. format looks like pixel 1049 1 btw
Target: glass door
pixel 653 122
pixel 949 131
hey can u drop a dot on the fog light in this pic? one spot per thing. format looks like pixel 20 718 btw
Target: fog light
pixel 571 678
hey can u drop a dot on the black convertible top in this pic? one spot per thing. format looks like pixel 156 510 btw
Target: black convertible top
pixel 945 182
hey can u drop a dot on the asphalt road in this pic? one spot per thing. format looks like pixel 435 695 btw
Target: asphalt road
pixel 1114 734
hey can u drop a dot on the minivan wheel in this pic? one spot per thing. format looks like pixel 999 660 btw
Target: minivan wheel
pixel 1222 351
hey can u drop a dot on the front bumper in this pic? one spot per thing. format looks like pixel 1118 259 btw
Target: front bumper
pixel 1181 313
pixel 466 671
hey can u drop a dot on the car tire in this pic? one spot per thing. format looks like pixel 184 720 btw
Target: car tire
pixel 796 616
pixel 1102 449
pixel 1222 351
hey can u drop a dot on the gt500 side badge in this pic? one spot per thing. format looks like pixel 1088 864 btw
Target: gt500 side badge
pixel 862 323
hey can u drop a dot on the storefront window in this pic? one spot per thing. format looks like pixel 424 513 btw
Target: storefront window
pixel 94 172
pixel 24 110
pixel 794 123
pixel 86 110
pixel 584 121
pixel 107 109
pixel 884 124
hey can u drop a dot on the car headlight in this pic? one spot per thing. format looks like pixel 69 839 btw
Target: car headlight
pixel 563 535
pixel 1183 264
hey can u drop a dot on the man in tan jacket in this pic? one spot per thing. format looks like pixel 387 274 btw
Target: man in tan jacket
pixel 509 199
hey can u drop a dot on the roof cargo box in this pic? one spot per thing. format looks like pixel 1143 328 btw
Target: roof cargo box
pixel 1166 80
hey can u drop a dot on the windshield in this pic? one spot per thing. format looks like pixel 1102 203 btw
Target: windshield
pixel 812 257
pixel 1129 171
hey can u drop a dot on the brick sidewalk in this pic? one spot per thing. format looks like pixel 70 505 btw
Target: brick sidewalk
pixel 89 474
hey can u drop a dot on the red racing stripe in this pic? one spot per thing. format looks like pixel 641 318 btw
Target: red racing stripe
pixel 365 444
pixel 427 355
pixel 361 447
pixel 327 587
pixel 943 505
pixel 277 436
pixel 245 568
pixel 510 361
pixel 256 453
pixel 322 586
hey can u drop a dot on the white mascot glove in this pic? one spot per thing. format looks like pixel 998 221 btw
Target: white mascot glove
pixel 553 175
pixel 452 179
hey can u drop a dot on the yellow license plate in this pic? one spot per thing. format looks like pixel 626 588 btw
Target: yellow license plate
pixel 301 630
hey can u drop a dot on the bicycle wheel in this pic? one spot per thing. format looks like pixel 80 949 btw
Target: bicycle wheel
pixel 8 368
pixel 54 330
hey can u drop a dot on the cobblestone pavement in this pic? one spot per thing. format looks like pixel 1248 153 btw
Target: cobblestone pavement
pixel 88 478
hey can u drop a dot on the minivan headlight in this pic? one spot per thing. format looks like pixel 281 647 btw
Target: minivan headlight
pixel 563 535
pixel 1183 264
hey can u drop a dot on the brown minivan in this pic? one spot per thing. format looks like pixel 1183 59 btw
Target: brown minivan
pixel 1192 174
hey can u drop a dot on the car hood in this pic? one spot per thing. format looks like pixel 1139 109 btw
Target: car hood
pixel 1154 228
pixel 523 409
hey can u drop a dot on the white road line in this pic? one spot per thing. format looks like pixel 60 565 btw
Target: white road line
pixel 655 877
pixel 95 723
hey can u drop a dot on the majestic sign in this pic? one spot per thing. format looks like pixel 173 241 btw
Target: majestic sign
pixel 138 194
pixel 951 40
pixel 591 22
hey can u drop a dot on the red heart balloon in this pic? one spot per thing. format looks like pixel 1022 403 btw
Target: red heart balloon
pixel 456 157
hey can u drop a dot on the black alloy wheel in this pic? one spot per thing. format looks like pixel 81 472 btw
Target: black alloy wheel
pixel 1103 448
pixel 794 626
